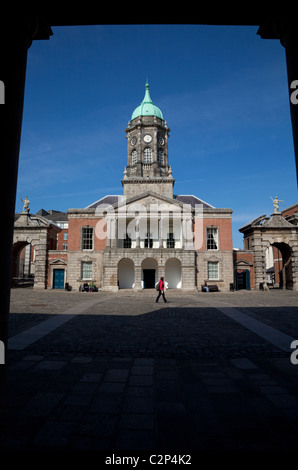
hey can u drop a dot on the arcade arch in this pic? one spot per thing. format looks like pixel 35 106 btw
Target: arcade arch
pixel 126 274
pixel 173 273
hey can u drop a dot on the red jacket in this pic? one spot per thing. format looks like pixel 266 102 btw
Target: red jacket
pixel 161 285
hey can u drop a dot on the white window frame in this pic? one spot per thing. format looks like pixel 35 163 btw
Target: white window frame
pixel 212 232
pixel 134 157
pixel 211 276
pixel 87 239
pixel 160 156
pixel 147 155
pixel 86 275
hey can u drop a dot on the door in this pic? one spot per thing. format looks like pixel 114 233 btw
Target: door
pixel 149 278
pixel 58 282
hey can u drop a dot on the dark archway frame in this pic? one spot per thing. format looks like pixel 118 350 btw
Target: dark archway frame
pixel 20 27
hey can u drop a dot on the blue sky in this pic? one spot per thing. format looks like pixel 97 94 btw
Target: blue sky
pixel 222 91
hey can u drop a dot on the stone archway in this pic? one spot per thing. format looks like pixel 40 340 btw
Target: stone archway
pixel 126 274
pixel 23 255
pixel 282 235
pixel 40 234
pixel 173 273
pixel 284 268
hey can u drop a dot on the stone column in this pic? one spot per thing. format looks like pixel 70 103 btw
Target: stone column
pixel 160 232
pixel 295 269
pixel 138 232
pixel 138 278
pixel 187 232
pixel 259 262
pixel 113 233
pixel 41 257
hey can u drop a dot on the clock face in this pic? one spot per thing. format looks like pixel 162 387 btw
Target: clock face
pixel 147 138
pixel 161 141
pixel 133 141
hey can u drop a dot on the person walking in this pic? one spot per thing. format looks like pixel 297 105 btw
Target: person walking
pixel 161 290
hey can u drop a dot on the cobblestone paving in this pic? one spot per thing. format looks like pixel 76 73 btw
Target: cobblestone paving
pixel 128 373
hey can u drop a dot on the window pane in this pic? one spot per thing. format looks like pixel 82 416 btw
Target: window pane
pixel 134 158
pixel 86 270
pixel 212 238
pixel 87 238
pixel 212 269
pixel 127 241
pixel 147 155
pixel 170 241
pixel 148 242
pixel 160 156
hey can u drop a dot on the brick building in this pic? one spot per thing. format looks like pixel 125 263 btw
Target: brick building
pixel 131 240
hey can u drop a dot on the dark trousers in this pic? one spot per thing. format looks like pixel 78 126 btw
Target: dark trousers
pixel 161 292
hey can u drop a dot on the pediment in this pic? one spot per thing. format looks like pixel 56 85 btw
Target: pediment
pixel 58 261
pixel 147 201
pixel 31 220
pixel 243 262
pixel 277 221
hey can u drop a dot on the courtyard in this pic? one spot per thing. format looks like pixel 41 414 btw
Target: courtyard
pixel 106 371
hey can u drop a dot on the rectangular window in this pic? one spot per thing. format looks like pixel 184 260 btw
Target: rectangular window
pixel 86 268
pixel 87 238
pixel 148 242
pixel 212 238
pixel 170 241
pixel 213 270
pixel 147 156
pixel 65 236
pixel 64 246
pixel 127 241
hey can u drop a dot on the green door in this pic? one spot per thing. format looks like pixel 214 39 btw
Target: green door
pixel 58 279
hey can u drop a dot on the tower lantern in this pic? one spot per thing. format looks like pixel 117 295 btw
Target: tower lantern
pixel 147 151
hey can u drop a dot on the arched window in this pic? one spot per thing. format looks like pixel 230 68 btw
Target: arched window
pixel 134 157
pixel 160 156
pixel 147 157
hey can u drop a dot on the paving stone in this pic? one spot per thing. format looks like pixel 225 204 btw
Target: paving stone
pixel 175 378
pixel 138 421
pixel 116 375
pixel 54 434
pixel 42 404
pixel 52 365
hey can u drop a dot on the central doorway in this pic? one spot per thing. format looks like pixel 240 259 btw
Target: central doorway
pixel 149 278
pixel 149 273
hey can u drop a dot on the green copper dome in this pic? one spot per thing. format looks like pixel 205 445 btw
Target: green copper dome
pixel 147 108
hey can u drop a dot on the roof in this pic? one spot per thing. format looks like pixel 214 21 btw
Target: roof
pixel 185 199
pixel 193 200
pixel 147 108
pixel 107 200
pixel 54 216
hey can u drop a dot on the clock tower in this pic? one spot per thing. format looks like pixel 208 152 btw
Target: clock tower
pixel 147 166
